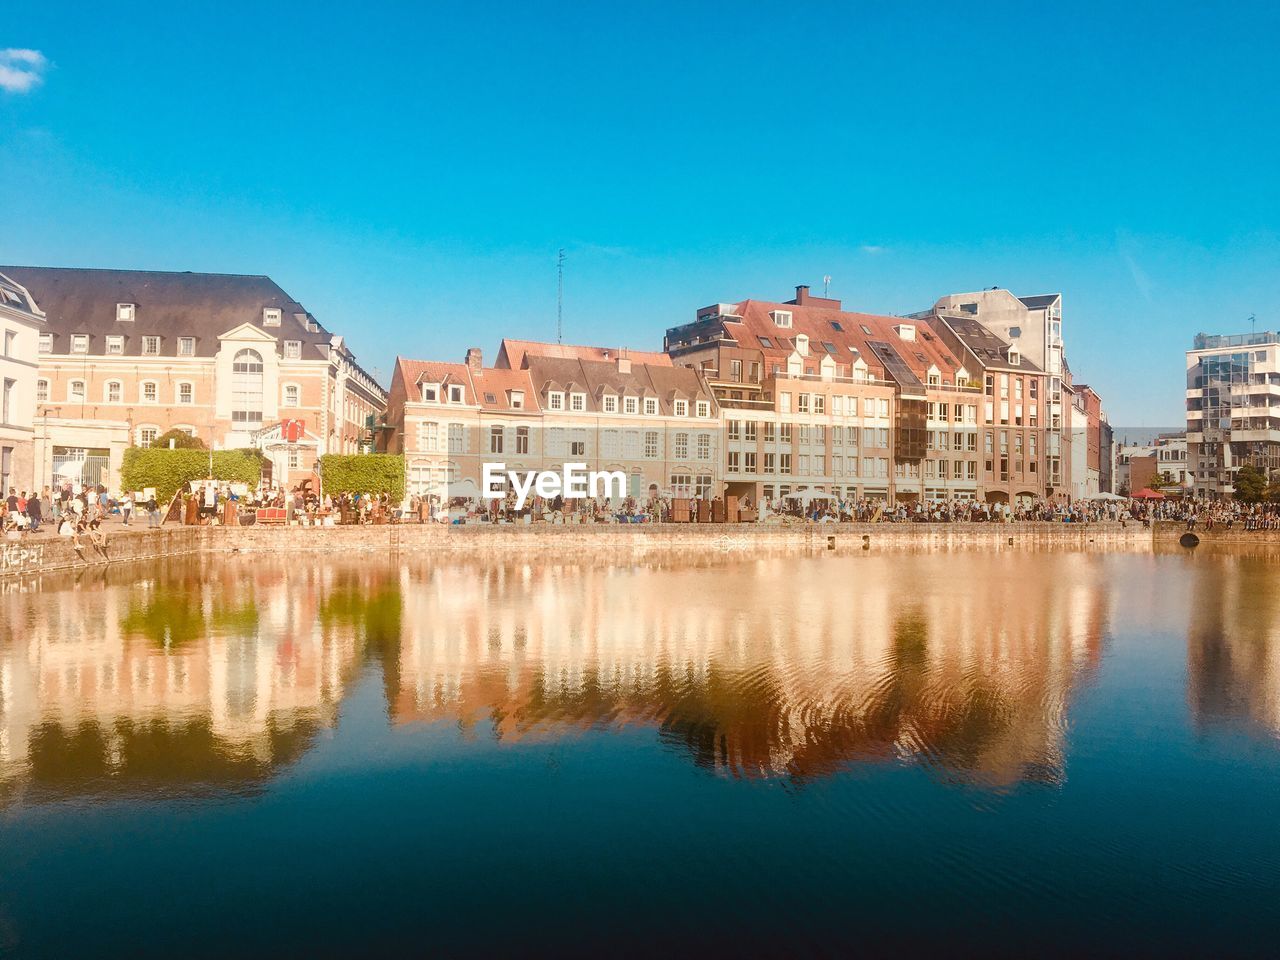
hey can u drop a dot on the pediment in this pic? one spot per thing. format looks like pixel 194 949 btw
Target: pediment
pixel 247 332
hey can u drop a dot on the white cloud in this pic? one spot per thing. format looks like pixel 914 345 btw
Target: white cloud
pixel 871 248
pixel 21 70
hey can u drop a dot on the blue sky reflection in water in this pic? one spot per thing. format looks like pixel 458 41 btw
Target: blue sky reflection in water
pixel 1038 752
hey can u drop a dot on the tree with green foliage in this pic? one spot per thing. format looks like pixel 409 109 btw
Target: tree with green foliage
pixel 1250 484
pixel 373 473
pixel 180 439
pixel 171 470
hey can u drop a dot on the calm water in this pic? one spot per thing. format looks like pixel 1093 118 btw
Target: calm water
pixel 983 753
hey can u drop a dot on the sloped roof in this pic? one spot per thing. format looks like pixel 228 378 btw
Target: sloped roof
pixel 991 349
pixel 436 371
pixel 644 379
pixel 168 305
pixel 1040 301
pixel 846 332
pixel 493 386
pixel 512 353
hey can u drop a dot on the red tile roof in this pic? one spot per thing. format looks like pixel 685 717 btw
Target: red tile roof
pixel 512 353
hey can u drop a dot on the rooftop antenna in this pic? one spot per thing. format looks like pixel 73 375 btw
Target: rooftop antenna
pixel 560 297
pixel 1253 323
pixel 826 283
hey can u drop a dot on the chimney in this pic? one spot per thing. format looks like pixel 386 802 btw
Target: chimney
pixel 802 294
pixel 624 363
pixel 474 361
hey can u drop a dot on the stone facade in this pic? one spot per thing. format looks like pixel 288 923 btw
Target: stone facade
pixel 128 355
pixel 21 324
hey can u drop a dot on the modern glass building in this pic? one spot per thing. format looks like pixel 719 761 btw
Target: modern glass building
pixel 1233 408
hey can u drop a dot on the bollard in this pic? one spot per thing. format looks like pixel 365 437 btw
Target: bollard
pixel 831 543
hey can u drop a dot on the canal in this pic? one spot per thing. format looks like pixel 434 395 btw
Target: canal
pixel 985 753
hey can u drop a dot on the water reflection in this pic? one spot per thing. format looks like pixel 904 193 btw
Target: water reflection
pixel 204 675
pixel 1233 648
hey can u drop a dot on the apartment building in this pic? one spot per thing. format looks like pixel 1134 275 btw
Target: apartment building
pixel 1016 464
pixel 1138 464
pixel 1034 326
pixel 545 405
pixel 127 355
pixel 21 324
pixel 818 398
pixel 1233 388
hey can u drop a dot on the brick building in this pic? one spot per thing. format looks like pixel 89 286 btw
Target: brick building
pixel 818 398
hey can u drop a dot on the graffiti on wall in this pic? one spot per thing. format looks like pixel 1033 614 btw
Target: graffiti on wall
pixel 17 557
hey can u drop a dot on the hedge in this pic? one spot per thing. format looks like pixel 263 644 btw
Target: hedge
pixel 373 473
pixel 170 470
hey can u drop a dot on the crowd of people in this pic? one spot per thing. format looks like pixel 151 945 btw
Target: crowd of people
pixel 81 511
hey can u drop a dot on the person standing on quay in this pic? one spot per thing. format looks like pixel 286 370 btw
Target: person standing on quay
pixel 126 507
pixel 34 511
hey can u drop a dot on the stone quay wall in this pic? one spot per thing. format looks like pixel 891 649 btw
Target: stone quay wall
pixel 1170 532
pixel 33 555
pixel 45 553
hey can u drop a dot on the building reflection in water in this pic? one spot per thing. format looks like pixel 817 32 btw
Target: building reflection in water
pixel 1233 643
pixel 787 666
pixel 207 676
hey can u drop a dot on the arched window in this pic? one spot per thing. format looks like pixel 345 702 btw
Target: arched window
pixel 75 391
pixel 113 391
pixel 150 391
pixel 42 391
pixel 147 436
pixel 186 392
pixel 292 393
pixel 246 387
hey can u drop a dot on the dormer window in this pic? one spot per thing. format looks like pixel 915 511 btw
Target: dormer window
pixel 79 343
pixel 577 402
pixel 46 343
pixel 115 345
pixel 610 403
pixel 292 349
pixel 455 393
pixel 681 408
pixel 802 344
pixel 125 312
pixel 781 318
pixel 631 405
pixel 906 331
pixel 517 399
pixel 704 408
pixel 313 326
pixel 151 346
pixel 650 407
pixel 1015 358
pixel 430 393
pixel 555 400
pixel 271 316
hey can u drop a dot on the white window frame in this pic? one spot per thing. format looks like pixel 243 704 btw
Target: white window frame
pixel 106 391
pixel 142 391
pixel 271 316
pixel 293 349
pixel 650 407
pixel 126 312
pixel 177 393
pixel 148 342
pixel 610 403
pixel 79 343
pixel 186 346
pixel 115 345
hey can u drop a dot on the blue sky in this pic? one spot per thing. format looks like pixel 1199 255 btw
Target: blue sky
pixel 409 172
